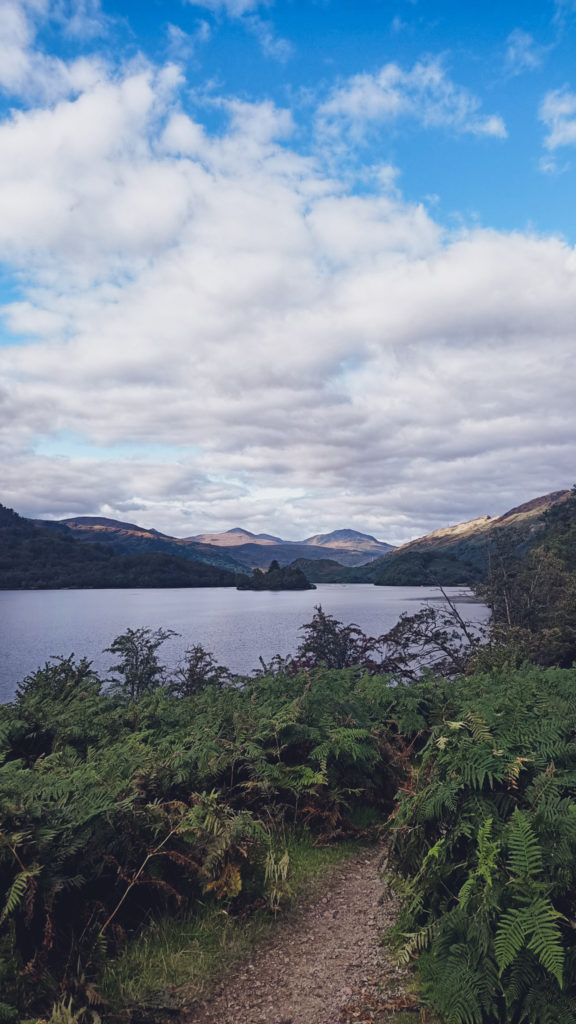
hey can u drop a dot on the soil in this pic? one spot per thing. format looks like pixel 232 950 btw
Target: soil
pixel 325 965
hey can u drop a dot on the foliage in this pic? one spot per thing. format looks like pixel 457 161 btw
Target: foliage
pixel 418 568
pixel 276 578
pixel 327 642
pixel 532 598
pixel 434 639
pixel 139 668
pixel 197 670
pixel 114 811
pixel 124 806
pixel 483 849
pixel 192 948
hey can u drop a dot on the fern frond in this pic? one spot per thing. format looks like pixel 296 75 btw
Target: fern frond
pixel 525 853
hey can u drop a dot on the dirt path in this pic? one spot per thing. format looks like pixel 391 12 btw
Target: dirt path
pixel 323 965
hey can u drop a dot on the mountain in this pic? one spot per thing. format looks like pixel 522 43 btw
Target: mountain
pixel 461 553
pixel 39 556
pixel 136 540
pixel 349 539
pixel 259 556
pixel 256 551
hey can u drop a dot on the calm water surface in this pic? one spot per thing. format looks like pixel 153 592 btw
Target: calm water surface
pixel 237 626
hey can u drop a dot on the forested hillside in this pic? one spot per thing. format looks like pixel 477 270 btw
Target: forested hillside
pixel 48 557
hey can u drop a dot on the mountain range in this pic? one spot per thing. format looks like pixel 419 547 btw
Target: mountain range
pixel 93 551
pixel 237 550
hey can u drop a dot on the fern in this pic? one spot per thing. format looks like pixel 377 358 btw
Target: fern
pixel 525 854
pixel 545 940
pixel 18 890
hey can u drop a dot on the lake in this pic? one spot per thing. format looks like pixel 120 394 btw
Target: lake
pixel 236 626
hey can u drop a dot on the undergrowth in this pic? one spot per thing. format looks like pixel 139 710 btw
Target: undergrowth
pixel 483 850
pixel 198 948
pixel 117 812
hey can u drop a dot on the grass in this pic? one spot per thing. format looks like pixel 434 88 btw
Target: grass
pixel 196 950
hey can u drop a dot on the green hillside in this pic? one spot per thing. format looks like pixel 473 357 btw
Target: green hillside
pixel 34 556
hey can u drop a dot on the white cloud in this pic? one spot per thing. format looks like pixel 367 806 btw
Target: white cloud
pixel 28 73
pixel 246 11
pixel 424 93
pixel 558 113
pixel 272 46
pixel 233 8
pixel 523 53
pixel 182 45
pixel 562 12
pixel 311 357
pixel 80 19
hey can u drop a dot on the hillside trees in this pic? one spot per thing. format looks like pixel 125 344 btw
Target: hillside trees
pixel 533 598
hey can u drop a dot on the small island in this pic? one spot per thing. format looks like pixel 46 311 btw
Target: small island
pixel 276 578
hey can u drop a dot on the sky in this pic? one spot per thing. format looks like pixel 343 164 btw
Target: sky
pixel 291 265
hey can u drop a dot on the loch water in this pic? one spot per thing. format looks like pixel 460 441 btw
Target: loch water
pixel 238 627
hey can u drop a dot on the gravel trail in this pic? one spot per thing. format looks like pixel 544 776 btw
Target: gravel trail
pixel 325 965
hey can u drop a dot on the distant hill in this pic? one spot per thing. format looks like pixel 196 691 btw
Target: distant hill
pixel 460 554
pixel 39 556
pixel 349 539
pixel 93 551
pixel 255 551
pixel 237 550
pixel 136 540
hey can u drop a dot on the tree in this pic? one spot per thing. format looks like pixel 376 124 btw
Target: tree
pixel 139 668
pixel 436 639
pixel 198 670
pixel 327 642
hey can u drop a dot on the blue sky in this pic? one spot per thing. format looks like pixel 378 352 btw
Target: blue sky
pixel 301 264
pixel 508 56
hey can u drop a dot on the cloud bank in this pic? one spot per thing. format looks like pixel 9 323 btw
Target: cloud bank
pixel 276 347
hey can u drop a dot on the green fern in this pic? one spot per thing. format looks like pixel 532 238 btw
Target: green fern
pixel 525 854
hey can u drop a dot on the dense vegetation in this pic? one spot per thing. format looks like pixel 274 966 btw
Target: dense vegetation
pixel 276 578
pixel 137 800
pixel 34 557
pixel 124 802
pixel 483 846
pixel 415 568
